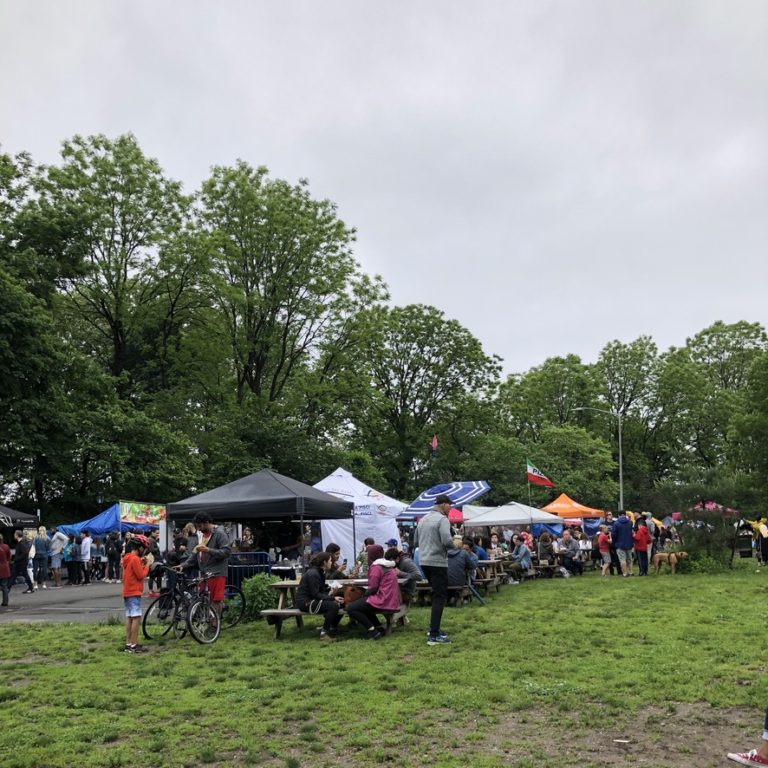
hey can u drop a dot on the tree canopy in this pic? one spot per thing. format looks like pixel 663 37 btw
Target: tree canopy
pixel 156 342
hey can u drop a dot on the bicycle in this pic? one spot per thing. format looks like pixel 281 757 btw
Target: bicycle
pixel 169 611
pixel 173 609
pixel 203 622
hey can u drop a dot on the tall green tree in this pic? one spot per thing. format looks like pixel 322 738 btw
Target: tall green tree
pixel 282 274
pixel 123 210
pixel 418 364
pixel 546 395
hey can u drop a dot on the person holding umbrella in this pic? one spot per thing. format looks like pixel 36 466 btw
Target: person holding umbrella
pixel 433 538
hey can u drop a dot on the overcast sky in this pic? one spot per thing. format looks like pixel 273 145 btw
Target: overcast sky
pixel 554 175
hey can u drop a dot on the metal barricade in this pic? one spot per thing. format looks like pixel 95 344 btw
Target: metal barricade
pixel 243 565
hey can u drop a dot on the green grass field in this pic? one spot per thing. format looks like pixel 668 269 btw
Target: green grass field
pixel 579 672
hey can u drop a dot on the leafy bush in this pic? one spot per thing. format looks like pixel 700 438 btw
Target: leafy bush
pixel 700 562
pixel 709 539
pixel 259 595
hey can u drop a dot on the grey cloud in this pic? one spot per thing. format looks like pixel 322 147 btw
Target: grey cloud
pixel 552 174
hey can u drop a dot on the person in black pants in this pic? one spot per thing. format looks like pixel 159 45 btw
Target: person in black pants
pixel 20 557
pixel 433 538
pixel 113 552
pixel 314 596
pixel 155 574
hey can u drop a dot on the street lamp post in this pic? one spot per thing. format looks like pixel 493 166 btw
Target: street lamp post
pixel 617 416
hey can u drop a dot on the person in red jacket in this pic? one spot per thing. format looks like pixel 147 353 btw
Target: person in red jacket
pixel 5 570
pixel 643 539
pixel 135 565
pixel 604 548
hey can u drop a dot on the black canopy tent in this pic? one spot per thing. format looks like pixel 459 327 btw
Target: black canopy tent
pixel 10 518
pixel 262 495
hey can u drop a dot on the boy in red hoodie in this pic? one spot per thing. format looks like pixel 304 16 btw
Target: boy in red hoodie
pixel 643 540
pixel 135 569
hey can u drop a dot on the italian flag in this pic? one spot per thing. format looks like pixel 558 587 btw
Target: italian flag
pixel 537 477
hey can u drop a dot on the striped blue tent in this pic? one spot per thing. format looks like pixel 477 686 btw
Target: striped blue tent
pixel 459 492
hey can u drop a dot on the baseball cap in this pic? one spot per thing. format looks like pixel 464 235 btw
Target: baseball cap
pixel 392 542
pixel 442 499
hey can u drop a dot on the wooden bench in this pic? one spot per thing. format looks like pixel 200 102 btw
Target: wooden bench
pixel 456 595
pixel 276 616
pixel 486 584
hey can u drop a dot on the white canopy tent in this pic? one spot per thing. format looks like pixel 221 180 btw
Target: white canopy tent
pixel 374 514
pixel 471 511
pixel 514 513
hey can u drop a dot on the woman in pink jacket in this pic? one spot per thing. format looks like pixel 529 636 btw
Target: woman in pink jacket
pixel 383 593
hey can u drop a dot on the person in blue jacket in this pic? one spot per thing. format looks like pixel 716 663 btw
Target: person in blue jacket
pixel 621 535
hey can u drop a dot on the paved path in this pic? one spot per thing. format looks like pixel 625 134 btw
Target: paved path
pixel 85 604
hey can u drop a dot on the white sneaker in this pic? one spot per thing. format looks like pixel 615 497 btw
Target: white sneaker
pixel 45 586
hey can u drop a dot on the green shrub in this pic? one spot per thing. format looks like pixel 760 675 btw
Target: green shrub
pixel 708 538
pixel 700 562
pixel 259 595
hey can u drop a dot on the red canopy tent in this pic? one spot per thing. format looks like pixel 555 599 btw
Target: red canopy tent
pixel 565 507
pixel 455 515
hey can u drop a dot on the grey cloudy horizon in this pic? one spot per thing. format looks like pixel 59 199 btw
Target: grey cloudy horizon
pixel 553 175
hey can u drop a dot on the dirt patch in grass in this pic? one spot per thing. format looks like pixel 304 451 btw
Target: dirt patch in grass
pixel 678 734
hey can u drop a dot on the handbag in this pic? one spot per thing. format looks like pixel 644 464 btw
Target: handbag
pixel 32 552
pixel 351 593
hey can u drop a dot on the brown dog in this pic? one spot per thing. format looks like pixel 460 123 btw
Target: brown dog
pixel 670 558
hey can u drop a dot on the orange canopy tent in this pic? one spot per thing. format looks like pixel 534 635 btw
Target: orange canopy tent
pixel 564 506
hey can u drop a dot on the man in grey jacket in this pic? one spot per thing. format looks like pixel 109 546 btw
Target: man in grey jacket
pixel 210 555
pixel 433 538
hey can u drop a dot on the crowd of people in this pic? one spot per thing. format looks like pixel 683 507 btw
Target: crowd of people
pixel 50 559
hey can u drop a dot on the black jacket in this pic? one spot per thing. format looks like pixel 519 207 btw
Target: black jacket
pixel 21 553
pixel 311 587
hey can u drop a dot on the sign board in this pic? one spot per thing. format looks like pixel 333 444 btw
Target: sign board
pixel 139 512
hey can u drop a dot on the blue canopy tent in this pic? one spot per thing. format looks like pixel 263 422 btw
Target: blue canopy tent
pixel 106 522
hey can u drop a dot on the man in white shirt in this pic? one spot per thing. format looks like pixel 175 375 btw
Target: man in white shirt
pixel 85 555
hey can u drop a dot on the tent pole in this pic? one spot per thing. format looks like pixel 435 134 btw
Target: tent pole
pixel 302 555
pixel 354 538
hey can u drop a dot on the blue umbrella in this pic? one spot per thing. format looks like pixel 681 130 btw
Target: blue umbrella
pixel 459 492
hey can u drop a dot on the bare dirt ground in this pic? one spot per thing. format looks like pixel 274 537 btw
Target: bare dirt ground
pixel 677 735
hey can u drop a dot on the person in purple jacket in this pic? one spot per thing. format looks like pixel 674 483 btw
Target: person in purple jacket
pixel 383 593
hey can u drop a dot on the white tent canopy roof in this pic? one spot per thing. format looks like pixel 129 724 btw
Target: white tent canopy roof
pixel 473 510
pixel 374 514
pixel 514 513
pixel 368 501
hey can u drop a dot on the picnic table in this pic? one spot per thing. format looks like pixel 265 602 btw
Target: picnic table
pixel 494 574
pixel 286 604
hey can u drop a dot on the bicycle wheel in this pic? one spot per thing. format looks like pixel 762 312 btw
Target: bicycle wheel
pixel 203 623
pixel 158 617
pixel 179 621
pixel 233 607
